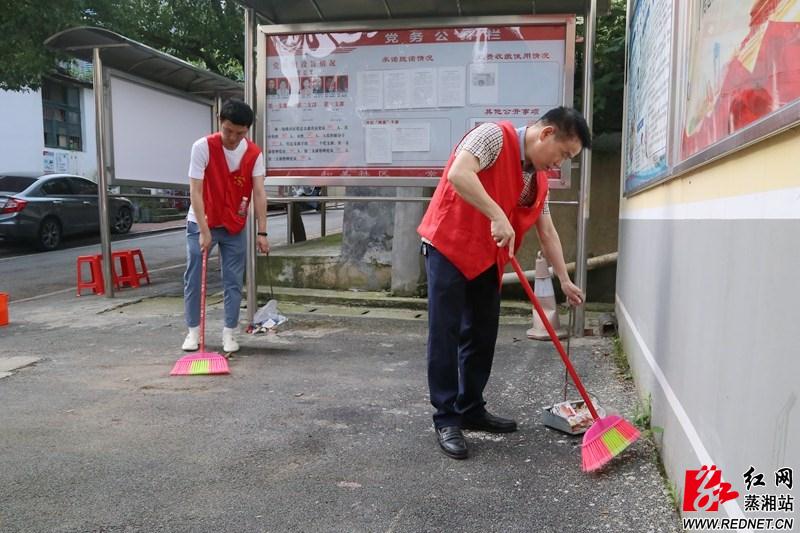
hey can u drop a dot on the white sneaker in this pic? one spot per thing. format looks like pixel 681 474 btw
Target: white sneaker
pixel 229 344
pixel 192 340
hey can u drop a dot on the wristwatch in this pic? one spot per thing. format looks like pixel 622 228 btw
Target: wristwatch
pixel 262 234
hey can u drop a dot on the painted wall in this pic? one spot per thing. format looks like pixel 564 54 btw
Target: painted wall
pixel 707 299
pixel 22 146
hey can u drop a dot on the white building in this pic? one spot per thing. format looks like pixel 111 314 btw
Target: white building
pixel 53 128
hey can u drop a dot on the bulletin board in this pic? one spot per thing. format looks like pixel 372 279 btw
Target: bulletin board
pixel 648 98
pixel 732 76
pixel 743 75
pixel 392 101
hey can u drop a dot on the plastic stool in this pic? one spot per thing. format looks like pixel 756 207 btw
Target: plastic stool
pixel 129 273
pixel 3 309
pixel 142 273
pixel 95 269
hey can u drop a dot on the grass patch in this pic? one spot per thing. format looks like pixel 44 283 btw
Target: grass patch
pixel 672 489
pixel 620 358
pixel 642 419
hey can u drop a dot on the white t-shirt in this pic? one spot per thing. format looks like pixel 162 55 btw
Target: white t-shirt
pixel 199 162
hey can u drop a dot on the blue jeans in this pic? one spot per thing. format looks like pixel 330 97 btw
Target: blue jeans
pixel 233 253
pixel 463 316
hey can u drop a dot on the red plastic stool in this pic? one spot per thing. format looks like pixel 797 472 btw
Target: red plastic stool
pixel 142 272
pixel 95 270
pixel 128 272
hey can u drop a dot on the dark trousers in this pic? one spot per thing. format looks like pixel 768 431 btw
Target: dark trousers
pixel 463 316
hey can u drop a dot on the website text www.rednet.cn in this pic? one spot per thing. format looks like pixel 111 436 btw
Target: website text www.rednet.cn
pixel 724 524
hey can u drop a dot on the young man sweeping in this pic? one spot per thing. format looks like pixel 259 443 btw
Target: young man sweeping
pixel 226 172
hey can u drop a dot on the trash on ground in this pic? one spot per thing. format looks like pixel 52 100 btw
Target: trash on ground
pixel 267 319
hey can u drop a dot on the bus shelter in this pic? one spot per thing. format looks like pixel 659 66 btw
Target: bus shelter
pixel 149 106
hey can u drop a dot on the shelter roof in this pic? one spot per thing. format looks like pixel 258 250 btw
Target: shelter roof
pixel 137 59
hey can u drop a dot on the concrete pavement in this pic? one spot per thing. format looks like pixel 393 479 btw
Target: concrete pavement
pixel 324 426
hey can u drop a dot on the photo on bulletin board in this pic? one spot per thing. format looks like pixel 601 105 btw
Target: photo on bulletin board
pixel 743 75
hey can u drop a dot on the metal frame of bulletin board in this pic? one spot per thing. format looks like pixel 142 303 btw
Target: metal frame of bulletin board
pixel 383 103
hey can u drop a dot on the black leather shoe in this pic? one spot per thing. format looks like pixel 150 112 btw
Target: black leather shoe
pixel 488 422
pixel 451 442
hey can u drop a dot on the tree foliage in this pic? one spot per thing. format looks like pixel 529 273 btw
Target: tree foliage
pixel 206 33
pixel 609 70
pixel 24 26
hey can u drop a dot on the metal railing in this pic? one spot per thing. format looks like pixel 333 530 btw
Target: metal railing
pixel 291 202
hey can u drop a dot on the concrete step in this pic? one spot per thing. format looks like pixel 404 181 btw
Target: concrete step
pixel 359 298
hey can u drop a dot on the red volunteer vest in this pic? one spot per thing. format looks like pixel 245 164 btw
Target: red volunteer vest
pixel 462 233
pixel 226 194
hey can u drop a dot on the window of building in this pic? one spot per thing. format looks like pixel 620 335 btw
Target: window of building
pixel 61 104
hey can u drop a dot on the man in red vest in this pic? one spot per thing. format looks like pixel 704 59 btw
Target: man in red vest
pixel 225 172
pixel 492 191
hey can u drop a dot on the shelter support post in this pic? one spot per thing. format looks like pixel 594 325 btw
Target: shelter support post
pixel 584 194
pixel 102 171
pixel 249 97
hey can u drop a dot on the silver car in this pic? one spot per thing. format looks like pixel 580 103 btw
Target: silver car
pixel 42 209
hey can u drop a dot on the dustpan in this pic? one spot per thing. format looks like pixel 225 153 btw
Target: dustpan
pixel 608 436
pixel 570 416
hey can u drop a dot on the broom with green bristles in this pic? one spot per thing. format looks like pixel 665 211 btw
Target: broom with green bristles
pixel 201 362
pixel 609 435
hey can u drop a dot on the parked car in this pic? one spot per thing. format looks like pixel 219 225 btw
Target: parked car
pixel 42 209
pixel 307 190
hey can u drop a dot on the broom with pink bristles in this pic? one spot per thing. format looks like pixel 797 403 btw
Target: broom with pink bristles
pixel 201 362
pixel 609 435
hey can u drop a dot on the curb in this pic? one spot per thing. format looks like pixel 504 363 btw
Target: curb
pixel 155 231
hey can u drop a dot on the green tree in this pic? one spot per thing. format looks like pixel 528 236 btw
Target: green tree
pixel 24 26
pixel 609 70
pixel 206 33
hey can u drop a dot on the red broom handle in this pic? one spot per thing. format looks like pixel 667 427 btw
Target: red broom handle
pixel 553 336
pixel 203 304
